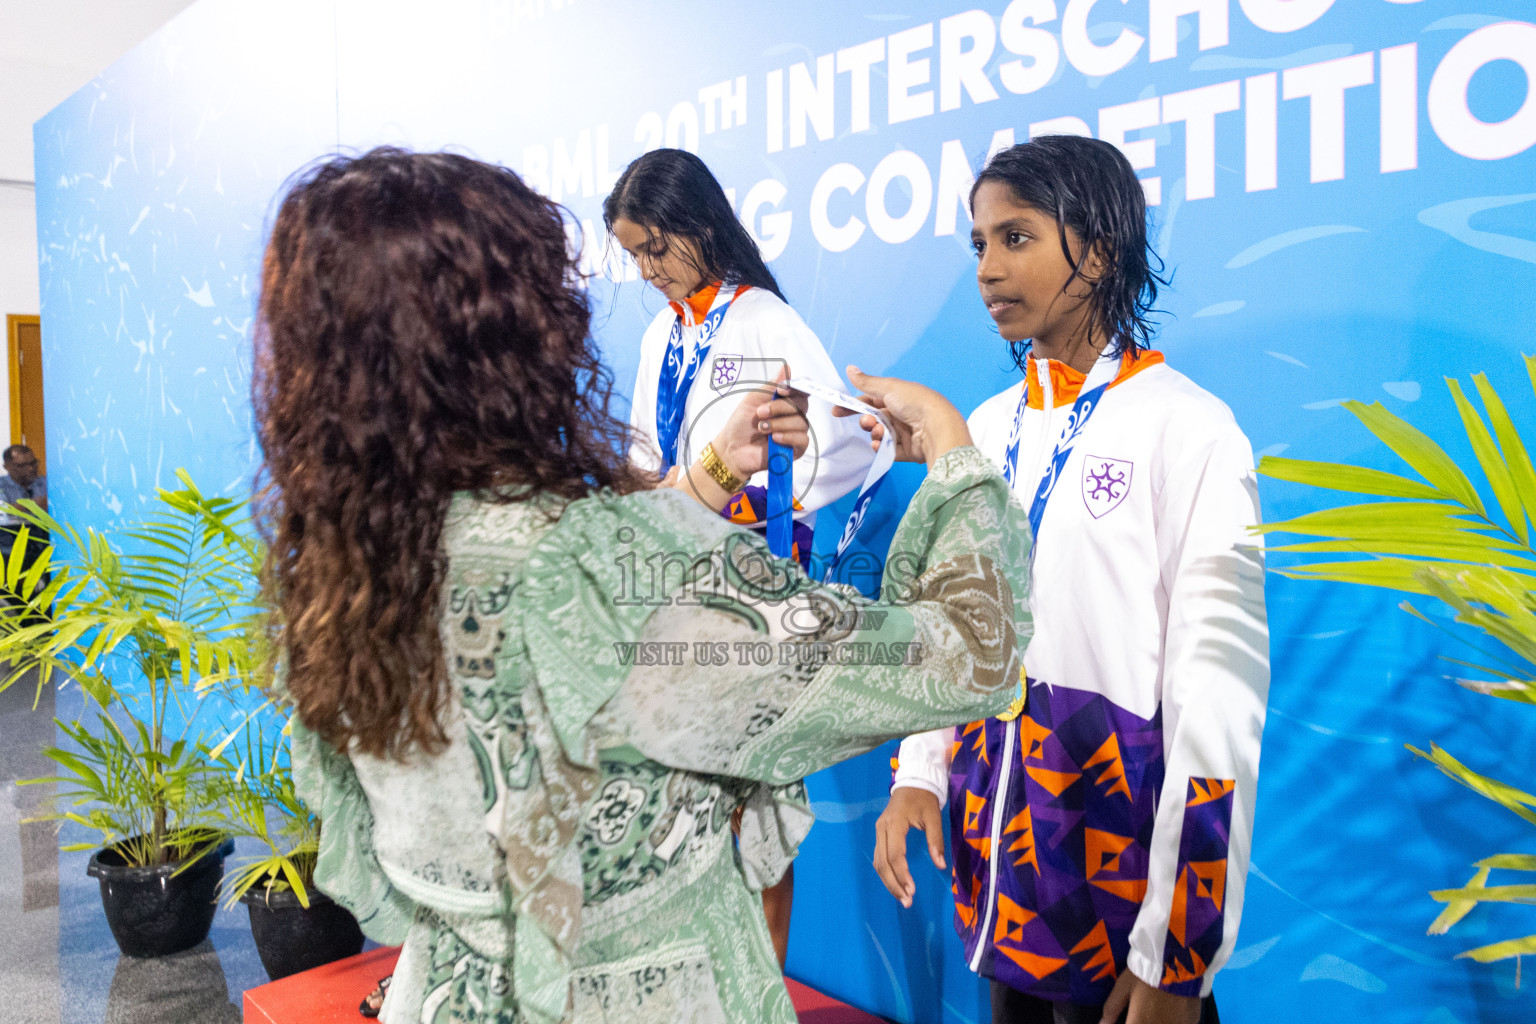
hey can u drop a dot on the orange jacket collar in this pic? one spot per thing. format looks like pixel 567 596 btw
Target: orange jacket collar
pixel 1067 382
pixel 695 307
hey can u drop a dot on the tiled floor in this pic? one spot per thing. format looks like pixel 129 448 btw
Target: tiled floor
pixel 58 963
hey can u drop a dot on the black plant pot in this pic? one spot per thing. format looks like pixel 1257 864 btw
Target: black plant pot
pixel 155 911
pixel 291 938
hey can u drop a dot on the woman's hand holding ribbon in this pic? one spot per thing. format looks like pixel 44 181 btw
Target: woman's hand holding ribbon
pixel 924 424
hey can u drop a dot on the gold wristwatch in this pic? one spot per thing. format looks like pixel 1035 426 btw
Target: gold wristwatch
pixel 718 471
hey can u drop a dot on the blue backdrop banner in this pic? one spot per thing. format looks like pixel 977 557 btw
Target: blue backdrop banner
pixel 1344 190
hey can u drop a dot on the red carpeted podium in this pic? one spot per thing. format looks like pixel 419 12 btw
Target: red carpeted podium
pixel 330 994
pixel 814 1008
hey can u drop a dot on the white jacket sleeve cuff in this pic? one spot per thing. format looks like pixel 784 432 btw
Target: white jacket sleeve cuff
pixel 1144 968
pixel 923 763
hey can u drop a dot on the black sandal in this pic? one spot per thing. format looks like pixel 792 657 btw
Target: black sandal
pixel 366 1007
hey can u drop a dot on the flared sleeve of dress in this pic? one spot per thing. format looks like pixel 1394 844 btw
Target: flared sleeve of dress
pixel 651 623
pixel 347 868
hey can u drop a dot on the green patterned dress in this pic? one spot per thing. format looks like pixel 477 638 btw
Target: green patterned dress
pixel 627 676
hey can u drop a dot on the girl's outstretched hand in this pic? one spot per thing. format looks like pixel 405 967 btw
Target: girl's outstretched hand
pixel 924 423
pixel 769 411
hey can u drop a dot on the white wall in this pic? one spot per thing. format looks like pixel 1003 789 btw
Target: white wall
pixel 18 276
pixel 49 49
pixel 18 251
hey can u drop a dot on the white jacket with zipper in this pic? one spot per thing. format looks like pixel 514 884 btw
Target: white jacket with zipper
pixel 1117 813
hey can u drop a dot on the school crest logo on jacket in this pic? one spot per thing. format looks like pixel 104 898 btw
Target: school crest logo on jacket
pixel 1106 482
pixel 725 372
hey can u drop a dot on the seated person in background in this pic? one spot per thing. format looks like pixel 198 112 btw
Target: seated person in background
pixel 21 481
pixel 521 702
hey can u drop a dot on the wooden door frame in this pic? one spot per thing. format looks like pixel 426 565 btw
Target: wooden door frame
pixel 13 363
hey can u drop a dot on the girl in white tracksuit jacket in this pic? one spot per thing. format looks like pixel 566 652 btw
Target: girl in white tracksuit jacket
pixel 725 331
pixel 1100 838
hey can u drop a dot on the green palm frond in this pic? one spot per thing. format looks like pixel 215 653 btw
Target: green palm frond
pixel 1435 536
pixel 1501 950
pixel 258 787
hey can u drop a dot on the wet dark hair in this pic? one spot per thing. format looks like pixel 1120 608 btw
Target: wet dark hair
pixel 1089 186
pixel 420 331
pixel 672 192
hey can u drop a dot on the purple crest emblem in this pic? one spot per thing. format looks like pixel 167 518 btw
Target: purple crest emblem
pixel 1106 482
pixel 725 372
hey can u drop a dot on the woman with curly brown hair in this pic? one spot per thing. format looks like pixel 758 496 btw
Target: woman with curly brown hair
pixel 530 688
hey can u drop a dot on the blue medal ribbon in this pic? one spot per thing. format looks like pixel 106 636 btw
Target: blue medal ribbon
pixel 1082 409
pixel 677 376
pixel 672 402
pixel 885 456
pixel 1077 419
pixel 781 499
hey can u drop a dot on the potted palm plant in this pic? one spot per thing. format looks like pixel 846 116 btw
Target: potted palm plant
pixel 295 926
pixel 169 644
pixel 1435 536
pixel 161 639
